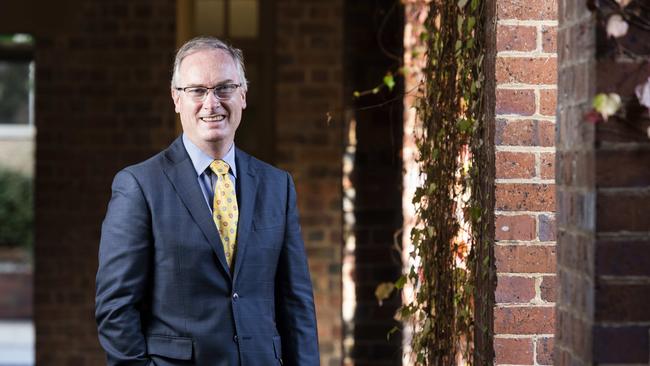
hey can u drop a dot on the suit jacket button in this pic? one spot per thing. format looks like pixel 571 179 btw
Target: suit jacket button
pixel 235 338
pixel 235 296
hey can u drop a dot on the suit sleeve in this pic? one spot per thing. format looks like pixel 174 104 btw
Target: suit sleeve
pixel 123 273
pixel 296 316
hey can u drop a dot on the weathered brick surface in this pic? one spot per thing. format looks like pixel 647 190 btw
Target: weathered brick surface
pixel 515 289
pixel 515 165
pixel 525 133
pixel 524 320
pixel 526 70
pixel 547 102
pixel 526 76
pixel 516 38
pixel 544 352
pixel 518 227
pixel 525 197
pixel 520 102
pixel 525 258
pixel 527 9
pixel 514 351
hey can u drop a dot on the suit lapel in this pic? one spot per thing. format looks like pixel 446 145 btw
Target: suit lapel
pixel 247 182
pixel 180 171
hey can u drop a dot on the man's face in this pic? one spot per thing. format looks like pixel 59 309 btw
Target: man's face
pixel 211 123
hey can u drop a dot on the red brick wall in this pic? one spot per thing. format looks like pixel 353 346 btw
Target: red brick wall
pixel 102 102
pixel 309 58
pixel 603 198
pixel 525 73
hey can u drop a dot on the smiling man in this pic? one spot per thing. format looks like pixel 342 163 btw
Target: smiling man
pixel 201 260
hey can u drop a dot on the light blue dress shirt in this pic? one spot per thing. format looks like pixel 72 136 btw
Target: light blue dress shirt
pixel 201 161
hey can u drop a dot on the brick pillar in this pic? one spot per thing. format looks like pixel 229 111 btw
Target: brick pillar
pixel 309 89
pixel 102 102
pixel 603 199
pixel 524 185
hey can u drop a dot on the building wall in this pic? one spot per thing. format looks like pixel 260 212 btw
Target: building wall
pixel 309 132
pixel 603 194
pixel 525 75
pixel 102 102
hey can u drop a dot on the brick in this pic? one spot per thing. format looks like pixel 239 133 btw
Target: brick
pixel 519 227
pixel 621 344
pixel 527 9
pixel 516 38
pixel 526 70
pixel 549 39
pixel 622 212
pixel 524 320
pixel 525 197
pixel 515 101
pixel 548 165
pixel 544 352
pixel 546 227
pixel 547 102
pixel 622 303
pixel 525 258
pixel 623 258
pixel 525 133
pixel 515 165
pixel 514 289
pixel 546 133
pixel 518 351
pixel 548 288
pixel 620 168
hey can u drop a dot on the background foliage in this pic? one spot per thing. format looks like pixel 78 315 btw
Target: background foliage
pixel 16 210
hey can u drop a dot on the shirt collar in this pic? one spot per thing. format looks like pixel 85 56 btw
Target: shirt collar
pixel 202 161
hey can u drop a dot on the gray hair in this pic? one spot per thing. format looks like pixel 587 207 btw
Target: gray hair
pixel 209 43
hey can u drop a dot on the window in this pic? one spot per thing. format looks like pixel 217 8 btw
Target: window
pixel 16 81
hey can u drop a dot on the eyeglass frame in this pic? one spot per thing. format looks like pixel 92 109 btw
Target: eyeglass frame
pixel 213 90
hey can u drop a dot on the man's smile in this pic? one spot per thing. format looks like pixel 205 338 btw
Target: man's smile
pixel 213 118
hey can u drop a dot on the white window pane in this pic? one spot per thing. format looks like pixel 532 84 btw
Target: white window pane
pixel 243 21
pixel 209 17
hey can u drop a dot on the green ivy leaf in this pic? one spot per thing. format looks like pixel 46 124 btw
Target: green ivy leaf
pixel 389 81
pixel 462 3
pixel 465 125
pixel 471 22
pixel 399 284
pixel 383 291
pixel 390 332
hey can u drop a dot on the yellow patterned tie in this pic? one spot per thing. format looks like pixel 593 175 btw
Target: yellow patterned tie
pixel 224 208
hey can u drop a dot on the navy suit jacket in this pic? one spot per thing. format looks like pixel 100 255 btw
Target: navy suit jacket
pixel 165 294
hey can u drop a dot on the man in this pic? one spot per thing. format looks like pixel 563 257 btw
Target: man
pixel 201 260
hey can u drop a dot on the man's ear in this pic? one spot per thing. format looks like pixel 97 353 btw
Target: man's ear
pixel 243 99
pixel 176 97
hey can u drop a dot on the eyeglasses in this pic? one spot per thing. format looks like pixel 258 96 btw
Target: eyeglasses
pixel 199 93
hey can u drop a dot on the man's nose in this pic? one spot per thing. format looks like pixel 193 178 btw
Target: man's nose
pixel 211 100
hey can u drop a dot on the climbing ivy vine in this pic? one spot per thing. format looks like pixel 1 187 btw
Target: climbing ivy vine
pixel 450 253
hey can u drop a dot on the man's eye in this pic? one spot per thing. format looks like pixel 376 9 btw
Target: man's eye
pixel 226 89
pixel 196 91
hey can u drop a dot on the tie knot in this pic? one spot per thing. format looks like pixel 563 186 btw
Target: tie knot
pixel 219 167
